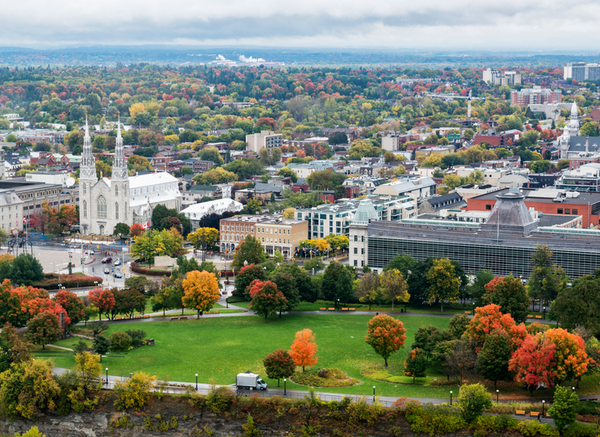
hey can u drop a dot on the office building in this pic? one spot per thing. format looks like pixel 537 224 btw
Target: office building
pixel 495 77
pixel 534 96
pixel 268 139
pixel 504 244
pixel 580 71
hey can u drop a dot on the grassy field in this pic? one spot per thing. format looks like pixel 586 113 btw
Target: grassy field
pixel 219 348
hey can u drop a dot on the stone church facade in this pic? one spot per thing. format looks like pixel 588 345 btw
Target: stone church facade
pixel 126 199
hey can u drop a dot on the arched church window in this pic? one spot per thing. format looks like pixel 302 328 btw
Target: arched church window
pixel 102 210
pixel 83 188
pixel 125 212
pixel 116 190
pixel 116 211
pixel 85 208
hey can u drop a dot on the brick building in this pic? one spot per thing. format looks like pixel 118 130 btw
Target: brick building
pixel 273 231
pixel 534 96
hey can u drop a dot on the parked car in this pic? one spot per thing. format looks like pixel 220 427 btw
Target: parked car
pixel 107 260
pixel 107 271
pixel 117 262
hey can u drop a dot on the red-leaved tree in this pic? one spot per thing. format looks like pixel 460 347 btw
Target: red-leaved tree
pixel 71 303
pixel 304 348
pixel 266 298
pixel 104 300
pixel 488 319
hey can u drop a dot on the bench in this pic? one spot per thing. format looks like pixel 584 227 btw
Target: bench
pixel 467 312
pixel 344 309
pixel 322 309
pixel 117 318
pixel 138 317
pixel 351 309
pixel 520 412
pixel 534 413
pixel 331 309
pixel 538 317
pixel 183 318
pixel 173 319
pixel 530 316
pixel 146 316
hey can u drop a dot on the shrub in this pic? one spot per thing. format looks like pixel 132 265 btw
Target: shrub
pixel 119 341
pixel 33 432
pixel 80 346
pixel 50 281
pixel 361 412
pixel 135 391
pixel 219 399
pixel 137 337
pixel 473 400
pixel 149 272
pixel 588 408
pixel 434 420
pixel 564 407
pixel 250 430
pixel 98 328
pixel 578 429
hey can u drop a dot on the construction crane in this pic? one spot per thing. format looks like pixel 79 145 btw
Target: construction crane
pixel 449 97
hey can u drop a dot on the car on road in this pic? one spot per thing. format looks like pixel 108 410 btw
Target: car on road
pixel 107 271
pixel 89 252
pixel 117 262
pixel 118 275
pixel 107 260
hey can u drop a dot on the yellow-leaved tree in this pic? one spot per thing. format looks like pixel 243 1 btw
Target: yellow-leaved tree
pixel 203 237
pixel 444 283
pixel 201 291
pixel 136 108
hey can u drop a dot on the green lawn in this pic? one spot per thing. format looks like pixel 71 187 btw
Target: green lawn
pixel 219 348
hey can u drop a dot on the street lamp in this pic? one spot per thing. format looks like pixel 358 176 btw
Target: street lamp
pixel 373 393
pixel 473 311
pixel 544 312
pixel 543 405
pixel 450 397
pixel 107 376
pixel 338 305
pixel 497 395
pixel 196 382
pixel 285 386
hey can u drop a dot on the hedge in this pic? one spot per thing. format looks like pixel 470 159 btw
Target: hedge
pixel 149 272
pixel 50 281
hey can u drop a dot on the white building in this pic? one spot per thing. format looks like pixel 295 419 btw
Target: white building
pixel 199 210
pixel 11 211
pixel 268 139
pixel 122 199
pixel 417 188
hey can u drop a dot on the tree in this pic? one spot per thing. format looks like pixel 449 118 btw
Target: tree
pixel 404 263
pixel 385 335
pixel 287 172
pixel 44 328
pixel 28 388
pixel 26 270
pixel 492 361
pixel 266 298
pixel 477 289
pixel 203 238
pixel 121 229
pixel 12 348
pixel 337 284
pixel 286 284
pixel 367 288
pixel 104 300
pixel 164 218
pixel 101 345
pixel 246 276
pixel 134 392
pixel 488 319
pixel 458 325
pixel 416 364
pixel 279 364
pixel 427 337
pixel 542 263
pixel 304 348
pixel 579 305
pixel 473 400
pixel 510 294
pixel 201 291
pixel 250 250
pixel 136 230
pixel 337 241
pixel 71 304
pixel 394 287
pixel 443 282
pixel 324 180
pixel 461 360
pixel 88 374
pixel 564 408
pixel 89 312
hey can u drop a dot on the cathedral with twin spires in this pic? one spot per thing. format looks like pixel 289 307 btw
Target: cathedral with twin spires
pixel 104 202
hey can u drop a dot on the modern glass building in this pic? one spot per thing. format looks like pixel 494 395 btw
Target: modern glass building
pixel 504 244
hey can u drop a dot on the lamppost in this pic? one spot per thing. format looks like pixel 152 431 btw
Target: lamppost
pixel 196 382
pixel 338 304
pixel 107 376
pixel 543 405
pixel 285 386
pixel 473 310
pixel 544 312
pixel 451 397
pixel 497 395
pixel 373 393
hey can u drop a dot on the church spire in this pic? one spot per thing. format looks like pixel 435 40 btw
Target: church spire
pixel 88 163
pixel 574 112
pixel 119 165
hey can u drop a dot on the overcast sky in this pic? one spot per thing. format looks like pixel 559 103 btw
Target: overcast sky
pixel 415 24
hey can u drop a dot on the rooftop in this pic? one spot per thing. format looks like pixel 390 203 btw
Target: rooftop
pixel 548 195
pixel 263 219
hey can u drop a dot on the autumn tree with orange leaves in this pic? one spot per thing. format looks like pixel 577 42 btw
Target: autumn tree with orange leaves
pixel 201 291
pixel 304 348
pixel 386 335
pixel 489 319
pixel 549 358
